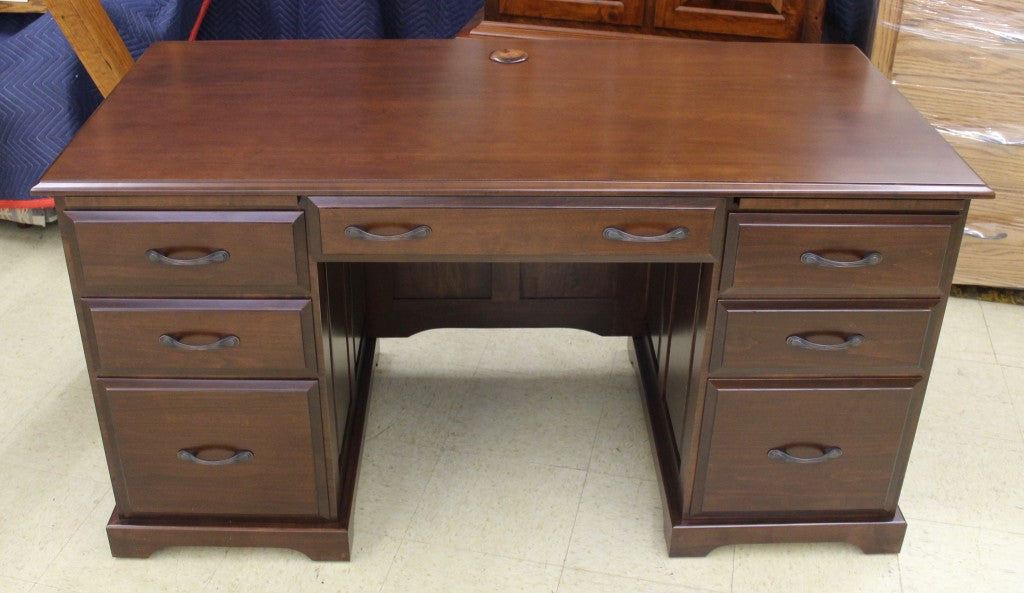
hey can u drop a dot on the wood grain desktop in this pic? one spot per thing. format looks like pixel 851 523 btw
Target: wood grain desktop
pixel 773 226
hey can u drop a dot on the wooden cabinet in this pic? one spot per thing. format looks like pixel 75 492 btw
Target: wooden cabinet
pixel 782 286
pixel 778 20
pixel 960 64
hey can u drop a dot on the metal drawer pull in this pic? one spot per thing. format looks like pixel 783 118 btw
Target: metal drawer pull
pixel 238 457
pixel 225 342
pixel 800 342
pixel 677 234
pixel 827 453
pixel 980 235
pixel 871 259
pixel 420 232
pixel 214 257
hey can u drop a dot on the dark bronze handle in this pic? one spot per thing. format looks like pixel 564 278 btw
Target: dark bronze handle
pixel 214 257
pixel 420 232
pixel 827 453
pixel 238 457
pixel 225 342
pixel 870 259
pixel 800 342
pixel 677 234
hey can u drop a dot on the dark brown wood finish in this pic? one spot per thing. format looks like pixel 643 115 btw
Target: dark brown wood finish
pixel 513 234
pixel 865 420
pixel 694 125
pixel 266 253
pixel 518 169
pixel 151 421
pixel 607 299
pixel 764 254
pixel 752 337
pixel 133 337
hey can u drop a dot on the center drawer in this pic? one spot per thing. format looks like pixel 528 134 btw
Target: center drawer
pixel 215 448
pixel 790 447
pixel 825 337
pixel 449 231
pixel 200 337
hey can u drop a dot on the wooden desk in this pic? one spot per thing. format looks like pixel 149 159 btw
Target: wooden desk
pixel 773 225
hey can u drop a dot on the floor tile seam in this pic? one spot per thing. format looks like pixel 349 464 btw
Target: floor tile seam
pixel 597 432
pixel 653 581
pixel 1018 406
pixel 940 357
pixel 457 547
pixel 1013 362
pixel 501 457
pixel 84 519
pixel 732 574
pixel 988 327
pixel 927 429
pixel 561 573
pixel 391 566
pixel 421 497
pixel 966 526
pixel 575 519
pixel 689 588
pixel 899 568
pixel 88 476
pixel 20 580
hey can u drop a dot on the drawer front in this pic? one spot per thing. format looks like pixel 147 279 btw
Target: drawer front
pixel 505 234
pixel 837 254
pixel 263 456
pixel 822 337
pixel 778 19
pixel 165 337
pixel 783 448
pixel 616 12
pixel 996 258
pixel 188 253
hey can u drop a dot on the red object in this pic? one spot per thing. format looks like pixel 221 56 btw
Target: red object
pixel 36 203
pixel 199 20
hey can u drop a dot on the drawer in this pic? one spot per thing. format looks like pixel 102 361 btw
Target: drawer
pixel 117 253
pixel 619 12
pixel 683 232
pixel 999 259
pixel 837 254
pixel 779 448
pixel 168 337
pixel 823 337
pixel 218 448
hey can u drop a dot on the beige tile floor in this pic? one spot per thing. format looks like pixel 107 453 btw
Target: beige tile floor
pixel 501 461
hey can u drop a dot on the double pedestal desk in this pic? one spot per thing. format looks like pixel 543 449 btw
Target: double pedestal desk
pixel 773 226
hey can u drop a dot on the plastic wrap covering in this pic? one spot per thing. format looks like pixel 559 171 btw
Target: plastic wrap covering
pixel 982 23
pixel 961 63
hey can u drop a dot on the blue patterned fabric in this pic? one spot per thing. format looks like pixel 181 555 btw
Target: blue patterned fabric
pixel 46 95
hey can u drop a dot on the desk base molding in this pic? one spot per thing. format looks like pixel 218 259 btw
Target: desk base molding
pixel 326 541
pixel 873 537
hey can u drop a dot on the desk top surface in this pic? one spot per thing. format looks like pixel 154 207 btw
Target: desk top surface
pixel 693 117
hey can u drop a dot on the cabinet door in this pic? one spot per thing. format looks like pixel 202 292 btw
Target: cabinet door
pixel 770 19
pixel 615 12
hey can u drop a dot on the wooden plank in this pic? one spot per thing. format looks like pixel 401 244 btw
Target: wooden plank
pixel 94 39
pixel 31 6
pixel 886 31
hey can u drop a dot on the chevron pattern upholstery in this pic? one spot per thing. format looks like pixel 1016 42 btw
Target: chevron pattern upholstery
pixel 46 95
